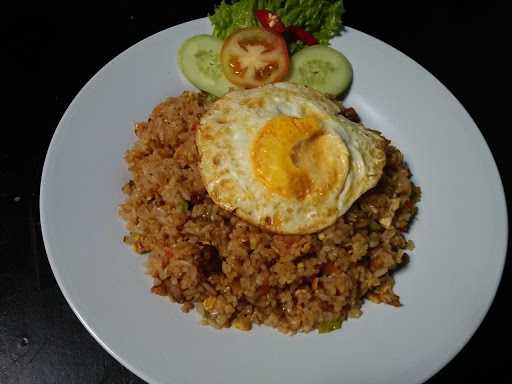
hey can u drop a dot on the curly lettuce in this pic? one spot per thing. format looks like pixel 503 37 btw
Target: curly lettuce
pixel 228 17
pixel 322 18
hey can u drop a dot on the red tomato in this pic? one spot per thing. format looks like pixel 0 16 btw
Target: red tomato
pixel 302 35
pixel 252 57
pixel 270 21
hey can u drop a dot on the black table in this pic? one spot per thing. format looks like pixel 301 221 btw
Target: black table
pixel 52 50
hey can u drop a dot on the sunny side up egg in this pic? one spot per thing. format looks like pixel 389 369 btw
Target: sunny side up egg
pixel 282 157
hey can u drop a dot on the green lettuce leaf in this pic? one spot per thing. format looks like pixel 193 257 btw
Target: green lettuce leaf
pixel 322 18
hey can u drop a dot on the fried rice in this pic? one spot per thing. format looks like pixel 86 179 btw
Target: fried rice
pixel 236 274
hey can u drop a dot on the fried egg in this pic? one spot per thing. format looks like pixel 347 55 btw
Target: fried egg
pixel 283 158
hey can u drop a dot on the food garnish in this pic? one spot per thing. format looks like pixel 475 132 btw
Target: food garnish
pixel 322 68
pixel 321 18
pixel 270 21
pixel 199 60
pixel 252 42
pixel 254 56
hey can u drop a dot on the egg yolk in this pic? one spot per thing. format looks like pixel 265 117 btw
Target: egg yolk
pixel 296 158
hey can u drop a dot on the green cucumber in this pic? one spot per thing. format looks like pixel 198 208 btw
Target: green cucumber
pixel 322 68
pixel 199 60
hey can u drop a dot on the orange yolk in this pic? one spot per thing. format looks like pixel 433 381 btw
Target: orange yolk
pixel 296 158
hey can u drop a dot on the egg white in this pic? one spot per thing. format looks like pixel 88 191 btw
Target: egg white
pixel 228 130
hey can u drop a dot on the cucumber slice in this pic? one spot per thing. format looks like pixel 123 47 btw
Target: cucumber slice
pixel 199 60
pixel 322 68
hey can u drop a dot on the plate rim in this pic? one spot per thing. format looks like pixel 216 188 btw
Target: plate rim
pixel 141 374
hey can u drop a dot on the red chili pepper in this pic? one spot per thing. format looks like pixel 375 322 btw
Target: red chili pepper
pixel 270 21
pixel 302 35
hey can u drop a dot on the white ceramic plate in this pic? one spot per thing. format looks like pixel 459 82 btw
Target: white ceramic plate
pixel 460 233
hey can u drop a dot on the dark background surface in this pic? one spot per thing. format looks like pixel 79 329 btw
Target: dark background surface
pixel 52 50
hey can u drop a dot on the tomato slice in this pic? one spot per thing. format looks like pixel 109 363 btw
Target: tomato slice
pixel 252 57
